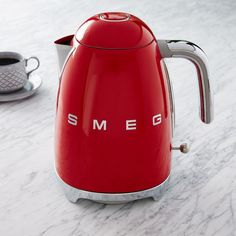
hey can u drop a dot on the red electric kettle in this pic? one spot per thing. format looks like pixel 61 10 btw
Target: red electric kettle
pixel 115 112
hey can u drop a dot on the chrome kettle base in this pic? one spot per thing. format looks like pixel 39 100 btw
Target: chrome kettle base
pixel 74 194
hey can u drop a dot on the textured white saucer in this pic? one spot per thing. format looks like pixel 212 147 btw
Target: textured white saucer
pixel 32 85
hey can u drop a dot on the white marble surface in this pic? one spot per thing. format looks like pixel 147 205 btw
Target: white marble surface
pixel 201 199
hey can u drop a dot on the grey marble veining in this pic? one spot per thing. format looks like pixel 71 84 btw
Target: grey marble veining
pixel 201 197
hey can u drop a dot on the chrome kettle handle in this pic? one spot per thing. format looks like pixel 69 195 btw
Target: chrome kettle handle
pixel 192 52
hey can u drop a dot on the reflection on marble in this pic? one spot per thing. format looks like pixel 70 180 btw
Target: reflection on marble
pixel 201 198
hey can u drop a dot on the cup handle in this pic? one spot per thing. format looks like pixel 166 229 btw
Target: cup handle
pixel 26 64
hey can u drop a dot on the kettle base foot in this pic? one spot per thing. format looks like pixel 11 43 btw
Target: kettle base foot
pixel 74 194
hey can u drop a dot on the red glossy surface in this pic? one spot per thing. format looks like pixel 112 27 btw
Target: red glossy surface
pixel 114 31
pixel 113 85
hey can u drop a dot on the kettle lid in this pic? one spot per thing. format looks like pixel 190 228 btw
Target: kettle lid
pixel 114 30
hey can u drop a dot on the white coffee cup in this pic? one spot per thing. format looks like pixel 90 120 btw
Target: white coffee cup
pixel 13 71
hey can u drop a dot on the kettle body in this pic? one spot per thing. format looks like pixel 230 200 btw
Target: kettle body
pixel 115 114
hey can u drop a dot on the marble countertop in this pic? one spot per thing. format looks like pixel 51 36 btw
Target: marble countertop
pixel 201 198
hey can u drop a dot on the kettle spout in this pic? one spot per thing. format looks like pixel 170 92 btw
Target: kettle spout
pixel 63 47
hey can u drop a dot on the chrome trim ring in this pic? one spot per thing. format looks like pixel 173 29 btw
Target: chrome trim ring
pixel 74 194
